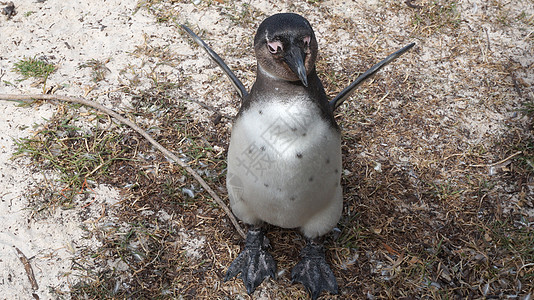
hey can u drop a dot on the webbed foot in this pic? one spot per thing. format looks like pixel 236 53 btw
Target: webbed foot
pixel 313 271
pixel 254 262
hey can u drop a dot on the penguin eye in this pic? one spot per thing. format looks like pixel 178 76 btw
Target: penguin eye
pixel 307 41
pixel 274 47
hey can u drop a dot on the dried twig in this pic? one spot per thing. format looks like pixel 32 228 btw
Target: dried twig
pixel 29 271
pixel 499 162
pixel 411 5
pixel 167 153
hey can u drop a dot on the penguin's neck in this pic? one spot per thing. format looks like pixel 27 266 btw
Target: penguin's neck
pixel 272 86
pixel 269 88
pixel 268 83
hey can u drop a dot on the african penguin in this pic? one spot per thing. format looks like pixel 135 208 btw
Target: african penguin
pixel 284 158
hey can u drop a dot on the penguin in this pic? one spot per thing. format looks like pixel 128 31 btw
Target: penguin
pixel 284 158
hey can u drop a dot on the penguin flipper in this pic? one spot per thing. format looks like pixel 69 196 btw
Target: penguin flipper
pixel 241 90
pixel 254 263
pixel 314 272
pixel 345 93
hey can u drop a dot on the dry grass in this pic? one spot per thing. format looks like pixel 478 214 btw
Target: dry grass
pixel 427 214
pixel 81 156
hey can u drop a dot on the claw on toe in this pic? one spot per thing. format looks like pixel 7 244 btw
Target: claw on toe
pixel 314 272
pixel 254 263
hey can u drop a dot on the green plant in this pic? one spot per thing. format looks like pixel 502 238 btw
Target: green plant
pixel 34 68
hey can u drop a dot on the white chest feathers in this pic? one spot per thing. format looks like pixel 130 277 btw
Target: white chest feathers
pixel 284 167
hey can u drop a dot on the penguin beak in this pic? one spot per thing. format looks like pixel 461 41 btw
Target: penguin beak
pixel 295 60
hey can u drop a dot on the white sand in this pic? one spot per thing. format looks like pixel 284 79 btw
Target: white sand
pixel 68 34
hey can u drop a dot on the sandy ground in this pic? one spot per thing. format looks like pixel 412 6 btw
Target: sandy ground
pixel 71 33
pixel 66 34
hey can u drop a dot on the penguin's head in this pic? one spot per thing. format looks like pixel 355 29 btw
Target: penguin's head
pixel 286 47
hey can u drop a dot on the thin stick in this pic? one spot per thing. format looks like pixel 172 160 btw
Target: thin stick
pixel 30 98
pixel 499 162
pixel 29 271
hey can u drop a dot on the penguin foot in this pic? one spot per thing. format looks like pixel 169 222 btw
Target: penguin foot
pixel 254 263
pixel 314 272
